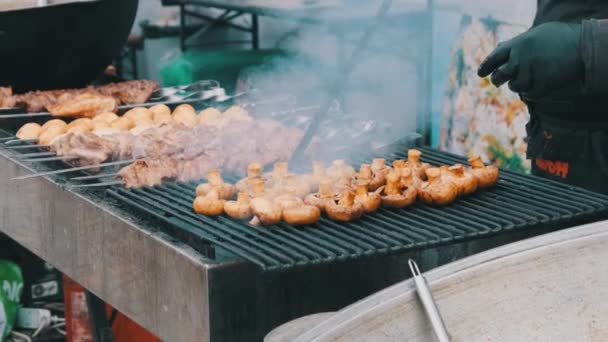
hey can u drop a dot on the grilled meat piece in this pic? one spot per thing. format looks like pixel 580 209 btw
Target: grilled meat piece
pixel 90 148
pixel 130 92
pixel 6 97
pixel 148 172
pixel 86 105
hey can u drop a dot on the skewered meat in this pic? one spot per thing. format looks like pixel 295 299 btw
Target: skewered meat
pixel 239 209
pixel 486 175
pixel 346 209
pixel 122 124
pixel 394 195
pixel 83 105
pixel 106 117
pixel 6 97
pixel 86 123
pixel 457 174
pixel 437 190
pixel 30 130
pixel 129 92
pixel 209 116
pixel 185 115
pixel 90 148
pixel 302 215
pixel 209 205
pixel 148 172
pixel 52 131
pixel 53 122
pixel 371 201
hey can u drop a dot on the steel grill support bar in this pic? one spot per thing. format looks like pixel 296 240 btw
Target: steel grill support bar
pixel 517 202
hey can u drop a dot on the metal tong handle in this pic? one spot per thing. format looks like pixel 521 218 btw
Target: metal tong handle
pixel 341 80
pixel 425 295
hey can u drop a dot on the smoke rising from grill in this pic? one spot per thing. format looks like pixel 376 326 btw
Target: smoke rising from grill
pixel 380 102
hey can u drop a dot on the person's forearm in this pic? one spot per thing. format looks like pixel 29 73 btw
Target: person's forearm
pixel 594 52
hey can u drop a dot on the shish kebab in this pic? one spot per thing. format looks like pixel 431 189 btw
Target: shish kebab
pixel 182 149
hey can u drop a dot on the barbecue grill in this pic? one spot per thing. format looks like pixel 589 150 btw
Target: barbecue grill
pixel 190 277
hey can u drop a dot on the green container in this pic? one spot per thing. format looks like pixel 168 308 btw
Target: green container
pixel 223 66
pixel 11 288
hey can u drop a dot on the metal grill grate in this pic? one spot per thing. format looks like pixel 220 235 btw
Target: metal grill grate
pixel 517 202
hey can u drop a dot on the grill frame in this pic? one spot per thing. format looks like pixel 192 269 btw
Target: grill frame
pixel 518 202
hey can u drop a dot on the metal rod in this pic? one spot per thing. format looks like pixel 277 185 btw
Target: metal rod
pixel 81 168
pixel 341 80
pixel 426 297
pixel 102 175
pixel 19 141
pixel 22 147
pixel 96 185
pixel 7 138
pixel 36 154
pixel 50 159
pixel 24 115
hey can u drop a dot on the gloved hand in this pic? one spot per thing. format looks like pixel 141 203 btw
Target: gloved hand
pixel 545 58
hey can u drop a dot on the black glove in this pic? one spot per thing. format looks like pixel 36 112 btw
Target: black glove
pixel 545 58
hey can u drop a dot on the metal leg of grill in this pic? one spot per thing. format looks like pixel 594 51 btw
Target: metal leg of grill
pixel 100 326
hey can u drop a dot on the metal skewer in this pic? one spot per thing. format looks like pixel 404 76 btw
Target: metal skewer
pixel 424 293
pixel 7 138
pixel 97 185
pixel 81 168
pixel 20 141
pixel 341 80
pixel 50 159
pixel 24 115
pixel 99 176
pixel 36 154
pixel 21 147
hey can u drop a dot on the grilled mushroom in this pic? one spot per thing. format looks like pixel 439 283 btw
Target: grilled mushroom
pixel 257 188
pixel 236 113
pixel 254 171
pixel 413 162
pixel 340 170
pixel 215 182
pixel 465 181
pixel 322 198
pixel 30 130
pixel 380 170
pixel 137 114
pixel 318 172
pixel 239 209
pixel 346 209
pixel 83 124
pixel 486 175
pixel 371 201
pixel 302 215
pixel 266 211
pixel 437 190
pixel 394 194
pixel 409 179
pixel 209 205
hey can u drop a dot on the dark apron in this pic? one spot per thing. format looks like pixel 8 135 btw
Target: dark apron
pixel 569 152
